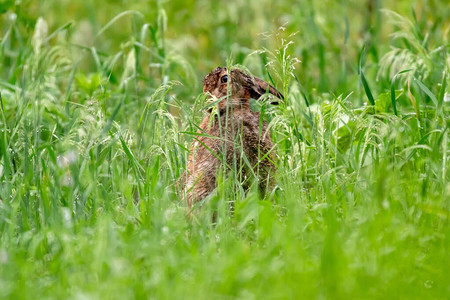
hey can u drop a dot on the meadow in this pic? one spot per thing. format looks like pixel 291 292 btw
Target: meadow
pixel 100 101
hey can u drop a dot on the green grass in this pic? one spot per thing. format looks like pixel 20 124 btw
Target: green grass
pixel 99 100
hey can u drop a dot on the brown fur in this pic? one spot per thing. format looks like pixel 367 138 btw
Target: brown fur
pixel 233 131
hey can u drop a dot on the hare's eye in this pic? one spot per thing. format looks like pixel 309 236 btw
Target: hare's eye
pixel 224 78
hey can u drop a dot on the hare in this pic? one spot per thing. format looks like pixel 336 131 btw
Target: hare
pixel 235 131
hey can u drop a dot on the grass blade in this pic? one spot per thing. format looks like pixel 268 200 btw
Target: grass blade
pixel 426 91
pixel 394 104
pixel 363 79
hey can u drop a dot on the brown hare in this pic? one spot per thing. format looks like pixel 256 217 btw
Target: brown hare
pixel 236 131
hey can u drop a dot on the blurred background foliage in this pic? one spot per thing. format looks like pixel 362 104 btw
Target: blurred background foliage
pixel 184 40
pixel 99 102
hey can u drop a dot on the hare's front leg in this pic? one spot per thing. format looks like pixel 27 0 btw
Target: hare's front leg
pixel 265 162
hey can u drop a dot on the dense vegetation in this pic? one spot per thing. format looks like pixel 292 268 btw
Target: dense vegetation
pixel 99 103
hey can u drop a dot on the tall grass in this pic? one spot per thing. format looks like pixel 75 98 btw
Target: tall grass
pixel 99 104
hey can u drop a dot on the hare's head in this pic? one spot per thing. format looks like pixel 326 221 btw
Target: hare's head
pixel 238 85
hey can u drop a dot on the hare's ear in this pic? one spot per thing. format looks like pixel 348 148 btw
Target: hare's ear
pixel 260 87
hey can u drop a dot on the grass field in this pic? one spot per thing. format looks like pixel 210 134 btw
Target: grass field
pixel 99 103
